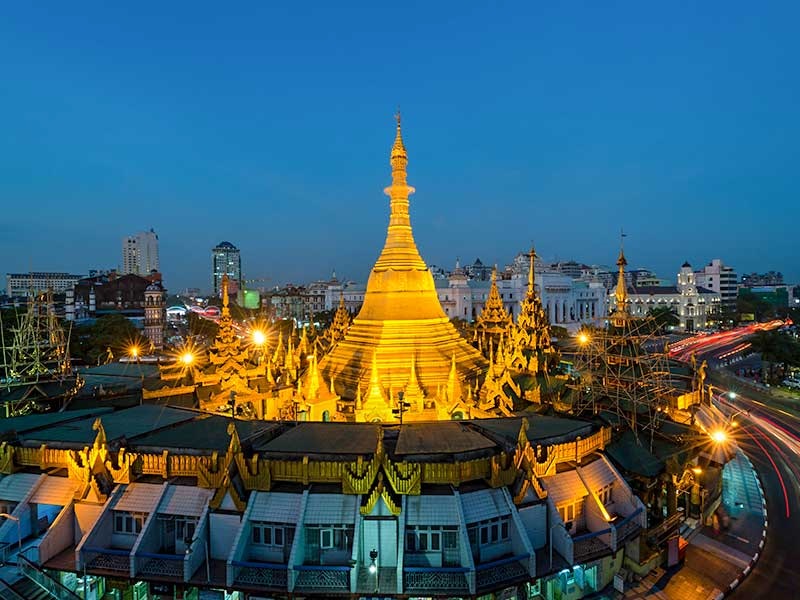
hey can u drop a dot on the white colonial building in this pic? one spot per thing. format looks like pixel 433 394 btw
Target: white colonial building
pixel 568 302
pixel 694 306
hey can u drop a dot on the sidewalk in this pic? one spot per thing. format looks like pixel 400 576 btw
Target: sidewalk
pixel 716 562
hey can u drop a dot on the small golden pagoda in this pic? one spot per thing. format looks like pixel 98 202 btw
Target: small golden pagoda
pixel 401 340
pixel 494 322
pixel 620 314
pixel 531 349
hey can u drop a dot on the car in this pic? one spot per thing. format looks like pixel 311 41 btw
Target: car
pixel 792 383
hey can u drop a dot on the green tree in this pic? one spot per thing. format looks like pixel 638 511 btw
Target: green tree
pixel 90 343
pixel 663 318
pixel 779 350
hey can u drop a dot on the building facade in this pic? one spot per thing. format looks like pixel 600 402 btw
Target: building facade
pixel 693 305
pixel 21 284
pixel 140 254
pixel 317 510
pixel 567 302
pixel 722 279
pixel 225 260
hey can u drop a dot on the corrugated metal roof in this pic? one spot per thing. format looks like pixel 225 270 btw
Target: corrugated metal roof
pixel 564 487
pixel 330 509
pixel 431 510
pixel 443 437
pixel 139 497
pixel 15 487
pixel 484 504
pixel 325 438
pixel 57 491
pixel 597 475
pixel 276 507
pixel 184 500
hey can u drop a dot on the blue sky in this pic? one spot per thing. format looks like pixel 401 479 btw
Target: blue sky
pixel 270 126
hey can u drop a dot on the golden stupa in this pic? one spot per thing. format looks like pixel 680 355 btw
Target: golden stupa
pixel 401 340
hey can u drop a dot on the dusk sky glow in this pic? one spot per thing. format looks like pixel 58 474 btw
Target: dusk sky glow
pixel 270 126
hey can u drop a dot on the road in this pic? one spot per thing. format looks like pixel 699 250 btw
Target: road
pixel 770 435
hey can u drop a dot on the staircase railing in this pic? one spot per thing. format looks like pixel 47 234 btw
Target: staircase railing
pixel 6 591
pixel 52 586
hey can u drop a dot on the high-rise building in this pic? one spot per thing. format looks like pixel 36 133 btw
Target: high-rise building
pixel 140 253
pixel 720 278
pixel 225 260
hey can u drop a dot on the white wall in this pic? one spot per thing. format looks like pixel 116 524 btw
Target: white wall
pixel 59 536
pixel 535 520
pixel 86 516
pixel 223 533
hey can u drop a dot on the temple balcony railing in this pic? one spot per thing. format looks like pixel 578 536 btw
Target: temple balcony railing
pixel 161 565
pixel 592 545
pixel 436 580
pixel 630 526
pixel 260 575
pixel 317 578
pixel 504 571
pixel 107 559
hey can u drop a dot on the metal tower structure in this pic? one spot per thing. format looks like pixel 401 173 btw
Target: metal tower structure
pixel 36 353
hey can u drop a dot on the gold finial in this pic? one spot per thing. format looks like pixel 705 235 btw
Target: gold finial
pixel 399 158
pixel 225 309
pixel 621 293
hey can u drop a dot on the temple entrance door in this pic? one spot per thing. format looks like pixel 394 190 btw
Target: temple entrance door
pixel 379 534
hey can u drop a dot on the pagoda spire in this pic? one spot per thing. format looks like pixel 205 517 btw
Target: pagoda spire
pixel 621 292
pixel 531 275
pixel 454 390
pixel 400 251
pixel 375 392
pixel 226 312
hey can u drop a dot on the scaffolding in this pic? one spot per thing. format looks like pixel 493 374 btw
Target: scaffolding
pixel 620 371
pixel 35 352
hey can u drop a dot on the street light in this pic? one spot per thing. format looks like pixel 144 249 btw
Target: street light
pixel 134 352
pixel 373 566
pixel 583 338
pixel 19 529
pixel 187 358
pixel 719 436
pixel 259 337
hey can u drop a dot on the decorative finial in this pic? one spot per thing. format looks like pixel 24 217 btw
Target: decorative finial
pixel 225 301
pixel 531 277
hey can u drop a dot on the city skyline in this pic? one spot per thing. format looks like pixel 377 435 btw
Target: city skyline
pixel 262 137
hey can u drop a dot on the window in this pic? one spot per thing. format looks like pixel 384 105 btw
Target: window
pixel 129 523
pixel 605 493
pixel 567 514
pixel 490 531
pixel 431 538
pixel 331 537
pixel 271 534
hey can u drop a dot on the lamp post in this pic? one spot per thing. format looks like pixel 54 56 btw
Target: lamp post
pixel 19 529
pixel 373 566
pixel 402 407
